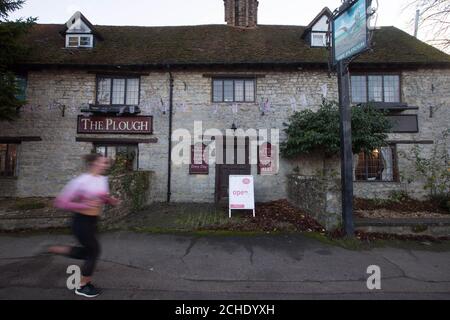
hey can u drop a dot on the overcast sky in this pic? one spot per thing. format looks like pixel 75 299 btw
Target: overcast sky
pixel 192 12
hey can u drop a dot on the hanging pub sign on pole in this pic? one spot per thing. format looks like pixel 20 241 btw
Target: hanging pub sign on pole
pixel 350 37
pixel 350 30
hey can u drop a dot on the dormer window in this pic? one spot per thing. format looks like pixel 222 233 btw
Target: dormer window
pixel 79 41
pixel 318 39
pixel 316 33
pixel 80 33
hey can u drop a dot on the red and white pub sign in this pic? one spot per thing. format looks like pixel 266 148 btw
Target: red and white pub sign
pixel 199 160
pixel 268 159
pixel 115 125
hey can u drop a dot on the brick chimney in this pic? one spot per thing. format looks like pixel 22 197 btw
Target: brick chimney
pixel 241 13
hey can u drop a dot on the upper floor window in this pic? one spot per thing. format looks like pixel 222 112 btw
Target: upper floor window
pixel 375 88
pixel 234 90
pixel 79 41
pixel 118 90
pixel 318 39
pixel 8 160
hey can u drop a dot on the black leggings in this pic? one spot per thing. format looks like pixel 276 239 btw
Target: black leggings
pixel 85 228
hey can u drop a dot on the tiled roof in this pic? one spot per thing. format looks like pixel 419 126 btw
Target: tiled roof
pixel 216 45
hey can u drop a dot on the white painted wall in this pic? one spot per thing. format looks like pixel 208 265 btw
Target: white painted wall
pixel 321 25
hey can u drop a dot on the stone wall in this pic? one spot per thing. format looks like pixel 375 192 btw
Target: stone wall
pixel 133 189
pixel 376 190
pixel 429 90
pixel 319 197
pixel 434 227
pixel 44 167
pixel 279 88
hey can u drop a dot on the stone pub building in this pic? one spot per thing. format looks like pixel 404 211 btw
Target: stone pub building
pixel 125 89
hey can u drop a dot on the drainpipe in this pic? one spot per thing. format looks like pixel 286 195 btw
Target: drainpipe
pixel 169 164
pixel 416 23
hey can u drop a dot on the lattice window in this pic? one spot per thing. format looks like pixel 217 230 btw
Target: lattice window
pixel 233 90
pixel 359 89
pixel 375 88
pixel 118 91
pixel 378 165
pixel 127 153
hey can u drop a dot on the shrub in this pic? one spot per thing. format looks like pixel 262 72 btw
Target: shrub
pixel 398 196
pixel 310 131
pixel 433 169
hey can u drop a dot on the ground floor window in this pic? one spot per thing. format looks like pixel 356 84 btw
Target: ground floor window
pixel 378 165
pixel 8 160
pixel 129 154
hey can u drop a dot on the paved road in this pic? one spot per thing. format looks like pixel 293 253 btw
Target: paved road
pixel 148 266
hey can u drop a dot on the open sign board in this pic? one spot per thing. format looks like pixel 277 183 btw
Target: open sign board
pixel 241 193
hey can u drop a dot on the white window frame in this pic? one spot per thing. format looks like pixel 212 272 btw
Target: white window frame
pixel 324 39
pixel 79 36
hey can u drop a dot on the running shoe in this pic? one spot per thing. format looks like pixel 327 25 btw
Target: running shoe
pixel 88 291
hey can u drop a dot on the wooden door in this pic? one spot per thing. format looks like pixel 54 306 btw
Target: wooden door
pixel 223 171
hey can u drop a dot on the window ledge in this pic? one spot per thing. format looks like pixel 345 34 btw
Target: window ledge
pixel 8 178
pixel 235 102
pixel 391 106
pixel 370 182
pixel 105 109
pixel 233 76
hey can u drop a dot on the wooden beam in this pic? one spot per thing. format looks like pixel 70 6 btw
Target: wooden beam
pixel 412 142
pixel 19 139
pixel 235 76
pixel 118 72
pixel 116 141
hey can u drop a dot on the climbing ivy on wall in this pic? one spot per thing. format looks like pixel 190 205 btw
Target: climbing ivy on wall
pixel 133 185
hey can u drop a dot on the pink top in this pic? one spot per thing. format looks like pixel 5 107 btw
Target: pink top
pixel 81 189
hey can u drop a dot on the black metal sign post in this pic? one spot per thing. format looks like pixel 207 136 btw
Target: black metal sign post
pixel 346 147
pixel 350 38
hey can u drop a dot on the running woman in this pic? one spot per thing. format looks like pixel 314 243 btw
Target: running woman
pixel 85 197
